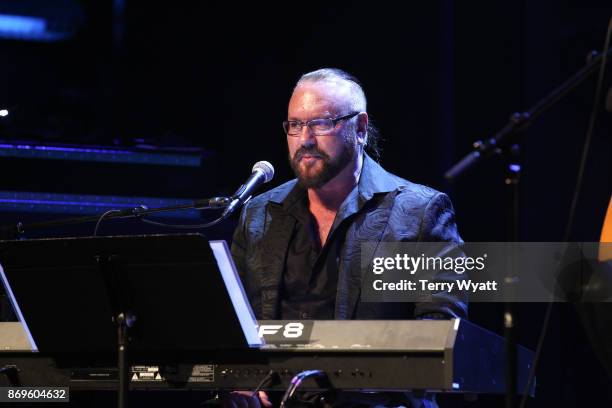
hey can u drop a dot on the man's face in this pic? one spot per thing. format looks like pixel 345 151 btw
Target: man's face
pixel 318 159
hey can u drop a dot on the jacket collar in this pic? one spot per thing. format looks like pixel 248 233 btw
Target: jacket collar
pixel 373 180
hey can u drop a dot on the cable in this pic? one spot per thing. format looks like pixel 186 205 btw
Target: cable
pixel 102 217
pixel 270 378
pixel 296 381
pixel 183 226
pixel 134 213
pixel 577 188
pixel 131 212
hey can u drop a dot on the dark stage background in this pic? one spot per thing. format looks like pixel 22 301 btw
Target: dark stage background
pixel 212 80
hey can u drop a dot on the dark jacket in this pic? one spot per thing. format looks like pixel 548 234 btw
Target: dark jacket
pixel 384 208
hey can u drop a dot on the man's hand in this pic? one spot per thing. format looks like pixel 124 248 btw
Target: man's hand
pixel 245 399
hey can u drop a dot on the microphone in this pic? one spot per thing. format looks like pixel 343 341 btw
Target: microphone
pixel 263 172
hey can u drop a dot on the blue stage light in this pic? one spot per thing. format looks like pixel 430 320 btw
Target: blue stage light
pixel 28 28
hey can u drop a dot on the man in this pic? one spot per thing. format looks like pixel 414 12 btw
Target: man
pixel 297 247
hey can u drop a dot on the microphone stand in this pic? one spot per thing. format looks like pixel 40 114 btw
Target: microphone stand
pixel 519 121
pixel 505 143
pixel 16 231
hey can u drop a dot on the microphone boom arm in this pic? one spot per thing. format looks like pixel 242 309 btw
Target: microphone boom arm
pixel 520 121
pixel 16 231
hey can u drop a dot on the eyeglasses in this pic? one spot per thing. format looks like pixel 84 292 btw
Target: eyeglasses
pixel 318 127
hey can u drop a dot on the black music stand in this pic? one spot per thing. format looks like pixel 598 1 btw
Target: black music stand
pixel 154 294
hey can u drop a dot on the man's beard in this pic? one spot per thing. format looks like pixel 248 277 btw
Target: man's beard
pixel 330 167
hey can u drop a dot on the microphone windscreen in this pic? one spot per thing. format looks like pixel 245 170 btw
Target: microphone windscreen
pixel 266 168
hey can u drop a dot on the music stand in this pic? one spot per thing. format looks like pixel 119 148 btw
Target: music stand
pixel 165 293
